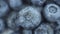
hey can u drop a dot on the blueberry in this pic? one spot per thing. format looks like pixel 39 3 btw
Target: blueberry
pixel 28 18
pixel 38 2
pixel 44 29
pixel 51 12
pixel 3 8
pixel 11 21
pixel 15 4
pixel 2 25
pixel 27 31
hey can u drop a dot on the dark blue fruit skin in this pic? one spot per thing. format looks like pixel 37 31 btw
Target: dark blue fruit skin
pixel 27 18
pixel 15 4
pixel 51 12
pixel 38 2
pixel 3 8
pixel 2 25
pixel 57 1
pixel 44 29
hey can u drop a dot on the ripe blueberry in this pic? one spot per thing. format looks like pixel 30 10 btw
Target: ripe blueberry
pixel 28 18
pixel 51 12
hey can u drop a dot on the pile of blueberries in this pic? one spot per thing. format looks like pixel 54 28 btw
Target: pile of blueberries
pixel 29 16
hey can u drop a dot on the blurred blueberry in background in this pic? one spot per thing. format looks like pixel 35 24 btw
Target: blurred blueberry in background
pixel 3 8
pixel 15 4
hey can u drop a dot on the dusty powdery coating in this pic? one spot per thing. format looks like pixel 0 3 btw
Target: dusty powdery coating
pixel 38 2
pixel 15 4
pixel 2 25
pixel 51 12
pixel 44 29
pixel 28 18
pixel 3 8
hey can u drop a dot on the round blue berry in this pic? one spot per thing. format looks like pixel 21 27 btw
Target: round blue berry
pixel 28 18
pixel 51 12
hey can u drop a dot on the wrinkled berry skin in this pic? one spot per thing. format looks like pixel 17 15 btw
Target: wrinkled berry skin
pixel 15 4
pixel 44 29
pixel 51 12
pixel 3 8
pixel 2 25
pixel 38 2
pixel 28 18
